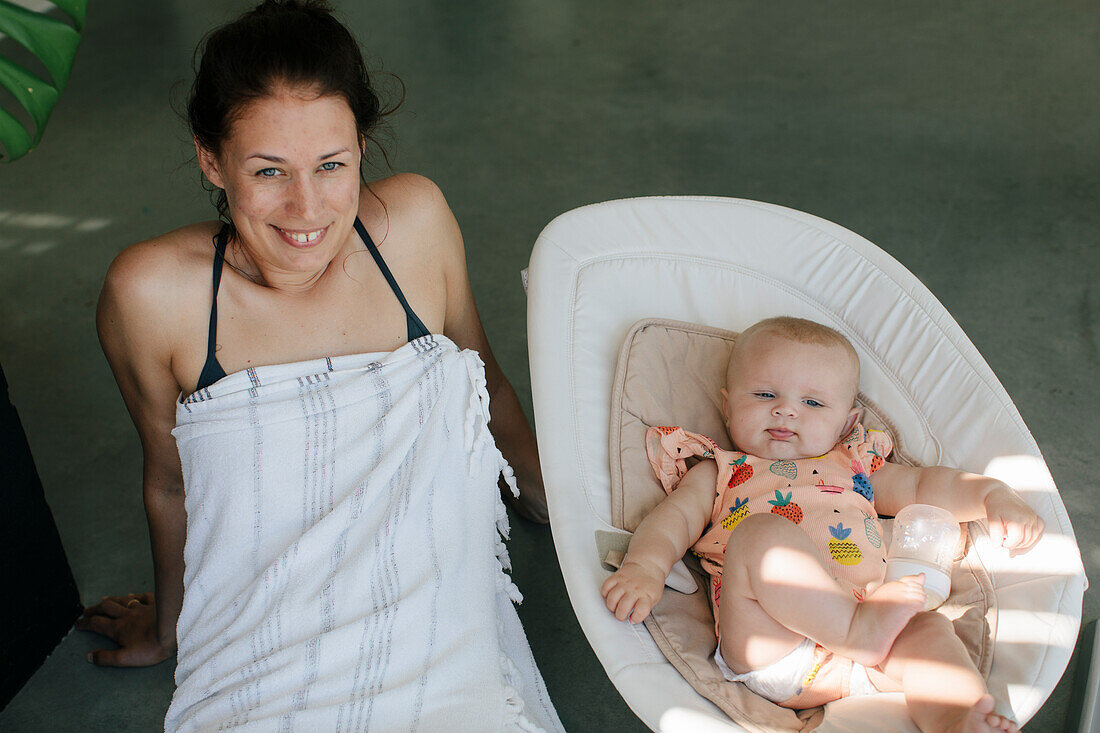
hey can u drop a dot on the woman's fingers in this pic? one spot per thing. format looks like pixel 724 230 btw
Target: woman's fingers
pixel 112 606
pixel 99 624
pixel 107 658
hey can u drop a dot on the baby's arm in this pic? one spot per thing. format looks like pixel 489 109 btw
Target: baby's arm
pixel 661 539
pixel 1012 523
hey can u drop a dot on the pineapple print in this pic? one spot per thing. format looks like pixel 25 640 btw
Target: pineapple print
pixel 738 511
pixel 871 529
pixel 784 507
pixel 742 473
pixel 786 469
pixel 876 459
pixel 843 550
pixel 861 484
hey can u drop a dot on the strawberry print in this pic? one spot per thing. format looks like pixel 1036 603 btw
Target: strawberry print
pixel 665 430
pixel 741 474
pixel 861 484
pixel 784 507
pixel 876 459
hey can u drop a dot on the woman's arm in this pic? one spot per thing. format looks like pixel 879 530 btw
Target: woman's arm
pixel 133 320
pixel 661 539
pixel 462 324
pixel 1012 523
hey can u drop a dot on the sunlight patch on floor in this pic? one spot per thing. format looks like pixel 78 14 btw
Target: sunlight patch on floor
pixel 26 242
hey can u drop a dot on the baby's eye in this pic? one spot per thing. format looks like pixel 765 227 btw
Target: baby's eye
pixel 267 172
pixel 814 403
pixel 765 395
pixel 331 165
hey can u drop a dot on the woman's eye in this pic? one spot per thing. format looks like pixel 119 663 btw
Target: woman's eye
pixel 330 165
pixel 267 172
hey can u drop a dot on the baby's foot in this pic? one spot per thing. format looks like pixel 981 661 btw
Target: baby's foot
pixel 881 617
pixel 982 719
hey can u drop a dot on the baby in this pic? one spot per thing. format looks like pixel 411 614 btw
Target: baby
pixel 788 529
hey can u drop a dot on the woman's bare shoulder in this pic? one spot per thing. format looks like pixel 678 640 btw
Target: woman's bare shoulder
pixel 164 263
pixel 406 192
pixel 411 207
pixel 155 284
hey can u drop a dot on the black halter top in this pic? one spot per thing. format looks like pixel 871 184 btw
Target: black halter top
pixel 212 370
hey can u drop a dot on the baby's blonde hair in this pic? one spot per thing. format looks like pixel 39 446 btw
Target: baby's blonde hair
pixel 801 331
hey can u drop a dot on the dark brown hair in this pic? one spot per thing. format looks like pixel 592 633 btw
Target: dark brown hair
pixel 298 43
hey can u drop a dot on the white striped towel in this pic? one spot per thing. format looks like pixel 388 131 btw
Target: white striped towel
pixel 344 563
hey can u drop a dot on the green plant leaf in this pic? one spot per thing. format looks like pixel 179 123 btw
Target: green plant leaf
pixel 36 96
pixel 54 42
pixel 75 9
pixel 14 136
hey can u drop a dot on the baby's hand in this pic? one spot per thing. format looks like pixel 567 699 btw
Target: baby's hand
pixel 633 591
pixel 1012 523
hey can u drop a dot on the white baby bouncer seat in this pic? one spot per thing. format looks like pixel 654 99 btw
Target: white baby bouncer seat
pixel 727 263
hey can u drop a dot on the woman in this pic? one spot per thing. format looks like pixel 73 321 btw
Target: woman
pixel 310 470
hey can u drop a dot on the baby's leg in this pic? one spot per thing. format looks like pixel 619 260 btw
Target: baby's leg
pixel 776 592
pixel 943 690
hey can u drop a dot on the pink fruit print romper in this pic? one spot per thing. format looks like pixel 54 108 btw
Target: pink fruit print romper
pixel 829 497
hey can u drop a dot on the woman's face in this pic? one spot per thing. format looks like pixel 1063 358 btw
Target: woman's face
pixel 290 171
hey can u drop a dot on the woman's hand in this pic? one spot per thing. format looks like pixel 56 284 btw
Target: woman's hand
pixel 1013 524
pixel 632 591
pixel 131 622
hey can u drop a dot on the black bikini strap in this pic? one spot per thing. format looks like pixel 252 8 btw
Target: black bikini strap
pixel 212 370
pixel 413 324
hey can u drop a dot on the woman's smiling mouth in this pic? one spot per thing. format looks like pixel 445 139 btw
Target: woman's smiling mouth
pixel 301 239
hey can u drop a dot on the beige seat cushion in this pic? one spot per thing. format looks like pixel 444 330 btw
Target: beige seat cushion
pixel 645 394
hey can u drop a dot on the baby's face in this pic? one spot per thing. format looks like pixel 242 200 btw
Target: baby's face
pixel 786 399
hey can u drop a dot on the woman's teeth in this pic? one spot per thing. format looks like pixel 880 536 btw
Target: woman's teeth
pixel 303 238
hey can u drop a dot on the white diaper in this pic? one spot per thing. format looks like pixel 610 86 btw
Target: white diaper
pixel 783 679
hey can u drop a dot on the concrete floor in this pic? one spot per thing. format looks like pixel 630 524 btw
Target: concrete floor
pixel 961 138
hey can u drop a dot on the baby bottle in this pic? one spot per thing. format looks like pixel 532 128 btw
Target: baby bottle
pixel 924 541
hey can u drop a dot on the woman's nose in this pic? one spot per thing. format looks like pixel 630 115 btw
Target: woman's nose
pixel 304 198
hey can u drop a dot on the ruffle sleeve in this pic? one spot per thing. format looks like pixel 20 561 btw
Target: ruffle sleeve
pixel 867 448
pixel 668 449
